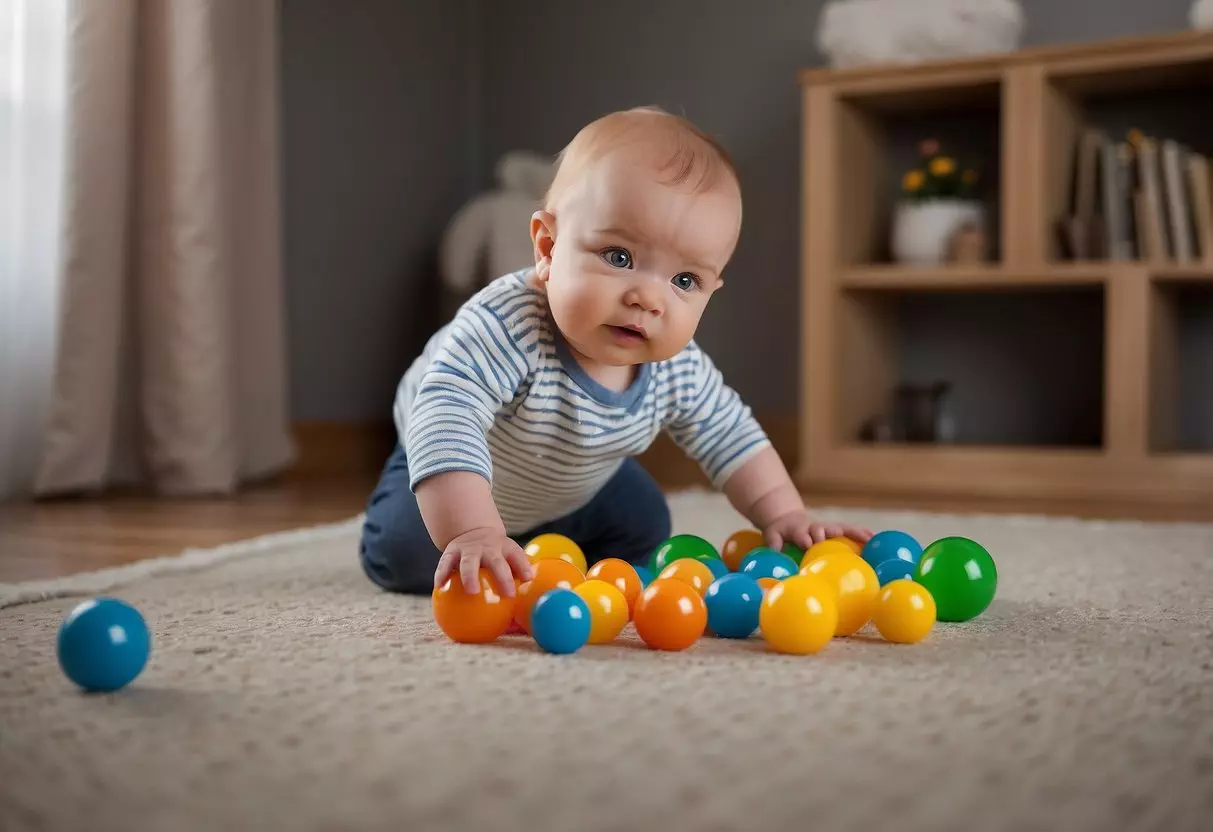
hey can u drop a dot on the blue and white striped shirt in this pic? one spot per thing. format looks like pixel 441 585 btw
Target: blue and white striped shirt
pixel 496 391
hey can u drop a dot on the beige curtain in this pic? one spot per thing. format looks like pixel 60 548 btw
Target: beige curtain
pixel 171 368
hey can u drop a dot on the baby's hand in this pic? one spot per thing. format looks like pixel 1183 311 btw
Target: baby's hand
pixel 488 548
pixel 800 528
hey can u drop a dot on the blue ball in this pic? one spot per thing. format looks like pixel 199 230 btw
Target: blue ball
pixel 733 603
pixel 103 645
pixel 646 576
pixel 719 568
pixel 891 545
pixel 767 563
pixel 893 570
pixel 560 621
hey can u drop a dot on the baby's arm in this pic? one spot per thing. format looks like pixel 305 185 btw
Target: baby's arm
pixel 715 427
pixel 477 371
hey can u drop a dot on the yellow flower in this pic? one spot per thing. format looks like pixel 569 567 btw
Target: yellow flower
pixel 913 180
pixel 942 166
pixel 969 176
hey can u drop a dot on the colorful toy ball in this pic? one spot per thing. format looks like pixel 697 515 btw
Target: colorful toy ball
pixel 854 582
pixel 719 567
pixel 799 615
pixel 825 547
pixel 691 571
pixel 608 610
pixel 767 584
pixel 474 618
pixel 894 570
pixel 891 545
pixel 960 576
pixel 670 615
pixel 558 546
pixel 905 612
pixel 680 546
pixel 550 573
pixel 740 544
pixel 560 621
pixel 854 545
pixel 103 645
pixel 644 574
pixel 621 575
pixel 733 602
pixel 767 563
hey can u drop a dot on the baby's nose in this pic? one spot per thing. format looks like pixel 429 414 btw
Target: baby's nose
pixel 646 297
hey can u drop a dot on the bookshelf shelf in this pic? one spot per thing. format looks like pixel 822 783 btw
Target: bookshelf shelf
pixel 1074 374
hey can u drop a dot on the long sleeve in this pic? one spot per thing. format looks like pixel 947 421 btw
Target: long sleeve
pixel 711 423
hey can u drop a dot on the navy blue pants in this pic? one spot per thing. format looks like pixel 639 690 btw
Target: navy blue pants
pixel 627 519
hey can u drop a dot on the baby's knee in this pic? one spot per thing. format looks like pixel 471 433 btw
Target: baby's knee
pixel 396 551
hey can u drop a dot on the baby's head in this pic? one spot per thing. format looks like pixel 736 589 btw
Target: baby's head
pixel 641 218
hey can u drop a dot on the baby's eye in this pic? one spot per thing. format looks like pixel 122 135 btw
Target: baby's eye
pixel 685 281
pixel 618 257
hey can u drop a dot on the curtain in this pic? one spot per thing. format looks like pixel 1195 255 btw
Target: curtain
pixel 32 79
pixel 169 342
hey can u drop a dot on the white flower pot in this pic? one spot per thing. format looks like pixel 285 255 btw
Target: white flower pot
pixel 922 231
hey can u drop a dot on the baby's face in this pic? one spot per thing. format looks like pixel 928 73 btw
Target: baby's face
pixel 635 260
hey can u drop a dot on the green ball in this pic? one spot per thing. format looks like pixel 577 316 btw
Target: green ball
pixel 681 546
pixel 961 577
pixel 793 551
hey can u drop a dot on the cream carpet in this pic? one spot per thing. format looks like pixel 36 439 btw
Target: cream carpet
pixel 285 692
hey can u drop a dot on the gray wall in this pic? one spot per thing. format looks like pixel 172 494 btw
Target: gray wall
pixel 391 106
pixel 378 152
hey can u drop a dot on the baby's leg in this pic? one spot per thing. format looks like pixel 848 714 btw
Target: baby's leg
pixel 396 550
pixel 627 519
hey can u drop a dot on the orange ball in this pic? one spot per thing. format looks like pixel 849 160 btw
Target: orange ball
pixel 740 544
pixel 855 583
pixel 621 575
pixel 692 572
pixel 472 618
pixel 768 584
pixel 608 609
pixel 549 574
pixel 670 615
pixel 557 547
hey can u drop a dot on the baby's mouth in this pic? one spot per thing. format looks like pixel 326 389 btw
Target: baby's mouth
pixel 632 334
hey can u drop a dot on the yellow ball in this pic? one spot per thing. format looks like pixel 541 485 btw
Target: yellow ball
pixel 825 547
pixel 905 611
pixel 855 583
pixel 556 546
pixel 854 545
pixel 690 571
pixel 608 609
pixel 798 615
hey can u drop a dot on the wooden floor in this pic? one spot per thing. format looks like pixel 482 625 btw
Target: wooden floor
pixel 54 538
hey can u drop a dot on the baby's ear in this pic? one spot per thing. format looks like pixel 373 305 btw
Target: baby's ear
pixel 543 240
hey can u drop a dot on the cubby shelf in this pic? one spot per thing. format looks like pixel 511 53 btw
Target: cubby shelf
pixel 1080 379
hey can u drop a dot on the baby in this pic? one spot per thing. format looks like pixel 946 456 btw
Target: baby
pixel 523 414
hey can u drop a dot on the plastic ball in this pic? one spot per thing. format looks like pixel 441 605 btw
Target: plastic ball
pixel 691 571
pixel 905 612
pixel 854 545
pixel 680 546
pixel 961 577
pixel 854 582
pixel 825 547
pixel 719 567
pixel 608 610
pixel 473 618
pixel 670 615
pixel 551 573
pixel 103 644
pixel 793 551
pixel 560 621
pixel 799 615
pixel 545 546
pixel 894 570
pixel 619 574
pixel 890 545
pixel 740 544
pixel 733 602
pixel 644 573
pixel 767 563
pixel 767 584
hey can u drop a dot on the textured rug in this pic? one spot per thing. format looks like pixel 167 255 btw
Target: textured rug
pixel 285 692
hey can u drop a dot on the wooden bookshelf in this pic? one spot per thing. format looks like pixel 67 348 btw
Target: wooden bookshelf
pixel 1029 107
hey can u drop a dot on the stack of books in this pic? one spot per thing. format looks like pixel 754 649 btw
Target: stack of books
pixel 1141 198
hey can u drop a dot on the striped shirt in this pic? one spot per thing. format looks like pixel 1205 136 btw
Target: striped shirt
pixel 496 391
